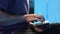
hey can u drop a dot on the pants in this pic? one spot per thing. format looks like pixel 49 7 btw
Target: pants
pixel 17 32
pixel 28 31
pixel 12 28
pixel 6 32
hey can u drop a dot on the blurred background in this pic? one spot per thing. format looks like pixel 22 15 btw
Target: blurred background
pixel 50 9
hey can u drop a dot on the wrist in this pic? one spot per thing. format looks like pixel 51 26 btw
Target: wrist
pixel 26 18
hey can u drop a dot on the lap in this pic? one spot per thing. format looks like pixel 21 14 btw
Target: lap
pixel 14 27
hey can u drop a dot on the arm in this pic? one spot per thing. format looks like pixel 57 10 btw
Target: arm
pixel 8 20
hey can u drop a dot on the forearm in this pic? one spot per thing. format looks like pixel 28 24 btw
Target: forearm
pixel 8 20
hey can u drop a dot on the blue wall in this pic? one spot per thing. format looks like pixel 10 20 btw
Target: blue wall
pixel 50 10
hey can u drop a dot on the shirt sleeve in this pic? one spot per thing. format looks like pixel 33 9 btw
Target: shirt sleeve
pixel 4 4
pixel 6 20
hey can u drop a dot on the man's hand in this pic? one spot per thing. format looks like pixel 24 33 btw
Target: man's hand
pixel 31 17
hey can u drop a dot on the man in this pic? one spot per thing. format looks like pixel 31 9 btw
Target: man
pixel 13 16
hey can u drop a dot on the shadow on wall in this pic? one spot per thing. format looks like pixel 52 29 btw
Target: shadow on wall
pixel 31 6
pixel 31 10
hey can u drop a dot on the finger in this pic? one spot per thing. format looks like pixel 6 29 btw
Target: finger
pixel 31 23
pixel 38 29
pixel 36 19
pixel 30 15
pixel 39 16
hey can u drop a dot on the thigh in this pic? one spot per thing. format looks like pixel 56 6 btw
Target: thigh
pixel 25 32
pixel 15 27
pixel 1 32
pixel 5 32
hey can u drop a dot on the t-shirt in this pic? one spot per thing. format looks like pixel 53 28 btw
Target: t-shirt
pixel 13 6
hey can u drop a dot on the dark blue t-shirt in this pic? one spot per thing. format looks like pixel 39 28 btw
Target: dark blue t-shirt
pixel 13 6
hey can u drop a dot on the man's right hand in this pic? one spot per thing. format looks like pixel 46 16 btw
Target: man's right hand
pixel 30 17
